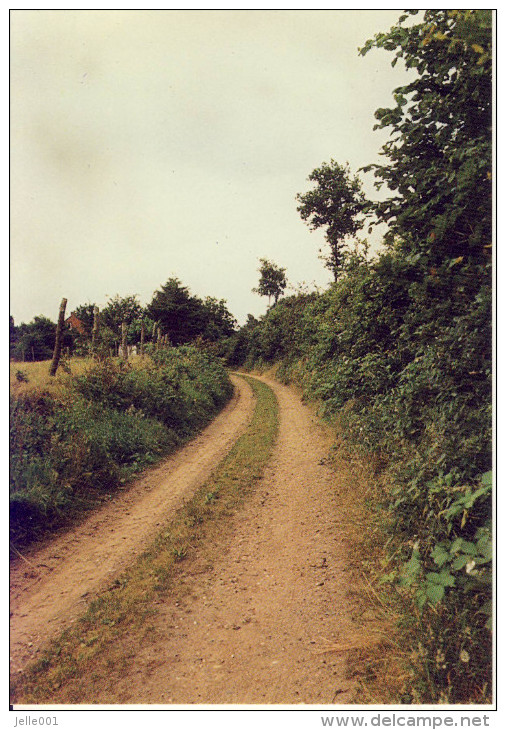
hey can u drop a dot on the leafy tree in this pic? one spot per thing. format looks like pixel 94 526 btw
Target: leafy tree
pixel 439 152
pixel 272 280
pixel 134 330
pixel 85 313
pixel 184 317
pixel 335 203
pixel 119 310
pixel 13 335
pixel 177 312
pixel 35 340
pixel 218 321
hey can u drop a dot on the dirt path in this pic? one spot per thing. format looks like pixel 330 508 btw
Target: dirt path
pixel 61 578
pixel 266 622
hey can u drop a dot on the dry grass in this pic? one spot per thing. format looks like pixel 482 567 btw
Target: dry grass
pixel 37 374
pixel 377 661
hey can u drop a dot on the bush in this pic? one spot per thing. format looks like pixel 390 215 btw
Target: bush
pixel 69 450
pixel 399 353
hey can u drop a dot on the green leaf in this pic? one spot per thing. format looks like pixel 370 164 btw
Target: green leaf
pixel 434 592
pixel 440 555
pixel 487 478
pixel 460 561
pixel 444 578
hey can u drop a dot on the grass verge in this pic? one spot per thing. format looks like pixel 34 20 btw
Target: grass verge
pixel 91 652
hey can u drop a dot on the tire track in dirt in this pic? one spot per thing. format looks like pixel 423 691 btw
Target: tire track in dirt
pixel 261 624
pixel 61 578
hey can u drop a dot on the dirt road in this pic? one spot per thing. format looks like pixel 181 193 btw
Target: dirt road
pixel 57 582
pixel 267 622
pixel 262 626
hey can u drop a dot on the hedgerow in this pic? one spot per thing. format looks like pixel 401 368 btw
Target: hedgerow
pixel 400 357
pixel 398 350
pixel 71 450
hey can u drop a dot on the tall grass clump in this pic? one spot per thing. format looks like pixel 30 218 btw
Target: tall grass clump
pixel 71 449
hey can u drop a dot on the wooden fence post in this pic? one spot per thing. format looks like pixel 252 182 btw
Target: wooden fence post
pixel 58 339
pixel 143 335
pixel 124 349
pixel 95 330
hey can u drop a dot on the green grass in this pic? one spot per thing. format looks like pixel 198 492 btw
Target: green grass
pixel 92 651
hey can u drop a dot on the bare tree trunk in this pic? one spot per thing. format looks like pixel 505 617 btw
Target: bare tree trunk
pixel 58 339
pixel 124 349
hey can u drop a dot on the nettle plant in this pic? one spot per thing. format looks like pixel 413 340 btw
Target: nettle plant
pixel 462 558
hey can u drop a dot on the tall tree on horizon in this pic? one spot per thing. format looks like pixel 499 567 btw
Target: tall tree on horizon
pixel 336 204
pixel 272 281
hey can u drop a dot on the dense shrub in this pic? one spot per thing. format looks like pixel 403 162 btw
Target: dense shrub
pixel 400 355
pixel 68 451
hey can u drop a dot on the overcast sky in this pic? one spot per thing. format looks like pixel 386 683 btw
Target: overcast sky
pixel 151 144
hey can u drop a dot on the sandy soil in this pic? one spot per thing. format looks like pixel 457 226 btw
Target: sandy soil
pixel 57 582
pixel 269 621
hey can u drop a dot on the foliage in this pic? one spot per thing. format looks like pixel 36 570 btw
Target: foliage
pixel 402 359
pixel 35 340
pixel 67 450
pixel 120 309
pixel 184 317
pixel 13 335
pixel 336 204
pixel 218 322
pixel 439 155
pixel 272 280
pixel 85 314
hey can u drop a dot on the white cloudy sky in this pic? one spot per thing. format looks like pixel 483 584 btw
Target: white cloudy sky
pixel 150 144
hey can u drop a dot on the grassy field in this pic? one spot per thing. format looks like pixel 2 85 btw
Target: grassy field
pixel 24 376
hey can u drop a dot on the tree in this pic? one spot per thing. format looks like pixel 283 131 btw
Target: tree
pixel 218 321
pixel 336 203
pixel 13 336
pixel 184 317
pixel 272 281
pixel 120 309
pixel 84 313
pixel 35 340
pixel 176 311
pixel 440 148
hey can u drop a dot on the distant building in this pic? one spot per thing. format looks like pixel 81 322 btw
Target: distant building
pixel 74 323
